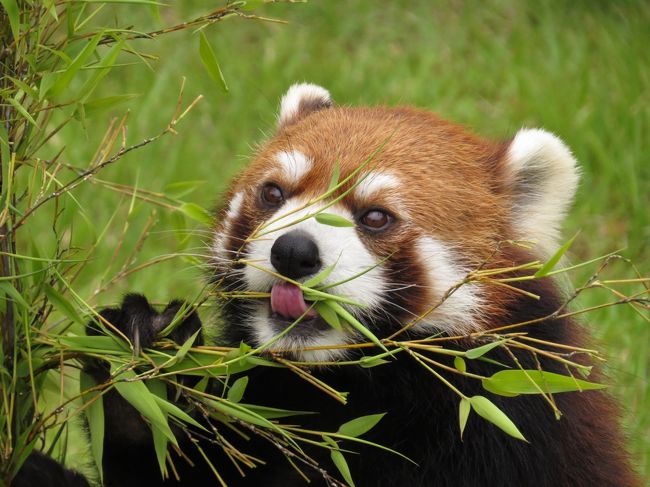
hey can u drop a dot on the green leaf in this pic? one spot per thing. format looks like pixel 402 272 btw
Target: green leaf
pixel 13 293
pixel 182 351
pixel 335 177
pixel 463 413
pixel 369 362
pixel 196 212
pixel 267 412
pixel 21 109
pixel 477 352
pixel 236 391
pixel 460 364
pixel 333 220
pixel 98 105
pixel 532 381
pixel 95 416
pixel 339 461
pixel 137 394
pixel 62 304
pixel 160 442
pixel 64 79
pixel 209 60
pixel 94 343
pixel 103 68
pixel 182 188
pixel 159 391
pixel 11 9
pixel 489 411
pixel 361 425
pixel 555 258
pixel 324 309
pixel 25 87
pixel 320 277
pixel 171 408
pixel 239 411
pixel 354 323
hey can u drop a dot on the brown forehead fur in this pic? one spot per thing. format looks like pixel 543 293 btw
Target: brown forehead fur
pixel 448 176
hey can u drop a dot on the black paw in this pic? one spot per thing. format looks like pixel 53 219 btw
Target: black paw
pixel 141 323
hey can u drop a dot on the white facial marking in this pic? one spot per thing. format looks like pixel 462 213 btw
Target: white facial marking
pixel 543 179
pixel 458 312
pixel 374 183
pixel 290 103
pixel 294 164
pixel 235 206
pixel 339 247
pixel 221 237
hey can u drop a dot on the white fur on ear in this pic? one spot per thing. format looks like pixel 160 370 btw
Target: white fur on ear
pixel 301 100
pixel 542 176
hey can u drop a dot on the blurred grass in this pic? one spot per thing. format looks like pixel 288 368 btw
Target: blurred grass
pixel 578 68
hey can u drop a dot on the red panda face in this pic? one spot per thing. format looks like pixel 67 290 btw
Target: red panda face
pixel 428 202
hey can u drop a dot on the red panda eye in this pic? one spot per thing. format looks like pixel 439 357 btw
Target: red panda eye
pixel 272 195
pixel 375 219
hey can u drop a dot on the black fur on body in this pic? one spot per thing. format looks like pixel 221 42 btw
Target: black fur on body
pixel 583 448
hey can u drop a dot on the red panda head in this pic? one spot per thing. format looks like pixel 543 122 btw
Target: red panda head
pixel 430 203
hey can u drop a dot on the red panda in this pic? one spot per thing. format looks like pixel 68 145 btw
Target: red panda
pixel 432 203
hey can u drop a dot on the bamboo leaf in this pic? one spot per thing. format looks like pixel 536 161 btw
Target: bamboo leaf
pixel 237 389
pixel 104 67
pixel 159 391
pixel 95 416
pixel 182 351
pixel 62 304
pixel 374 361
pixel 320 277
pixel 361 425
pixel 21 109
pixel 489 411
pixel 267 412
pixel 555 258
pixel 182 188
pixel 99 104
pixel 326 312
pixel 136 393
pixel 460 364
pixel 463 414
pixel 333 220
pixel 209 60
pixel 532 381
pixel 342 465
pixel 335 177
pixel 171 408
pixel 354 323
pixel 196 212
pixel 13 293
pixel 77 63
pixel 477 352
pixel 11 9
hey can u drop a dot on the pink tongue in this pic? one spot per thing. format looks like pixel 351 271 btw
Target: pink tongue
pixel 287 301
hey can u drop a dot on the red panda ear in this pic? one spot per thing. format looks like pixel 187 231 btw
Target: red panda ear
pixel 542 177
pixel 301 100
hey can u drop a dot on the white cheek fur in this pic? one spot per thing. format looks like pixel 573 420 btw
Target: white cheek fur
pixel 458 313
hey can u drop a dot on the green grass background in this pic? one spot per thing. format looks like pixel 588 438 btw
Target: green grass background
pixel 578 68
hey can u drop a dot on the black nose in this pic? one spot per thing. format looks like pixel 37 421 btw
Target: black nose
pixel 295 255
